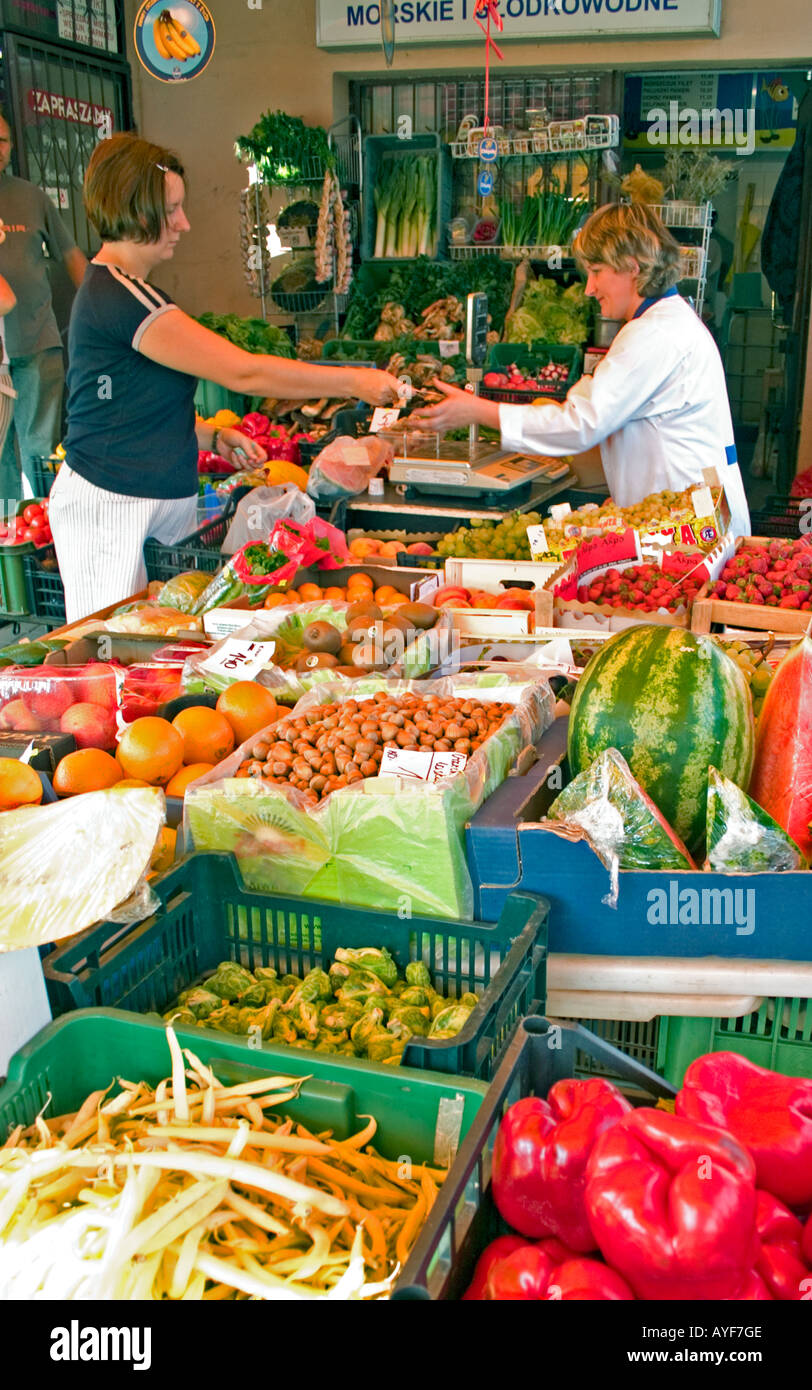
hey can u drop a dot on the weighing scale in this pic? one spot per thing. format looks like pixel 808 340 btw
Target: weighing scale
pixel 474 469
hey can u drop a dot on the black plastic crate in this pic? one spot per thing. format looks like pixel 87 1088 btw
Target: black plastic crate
pixel 207 914
pixel 464 1219
pixel 46 591
pixel 44 469
pixel 199 551
pixel 789 518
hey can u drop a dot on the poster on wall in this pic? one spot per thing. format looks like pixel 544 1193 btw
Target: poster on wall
pixel 344 24
pixel 747 111
pixel 174 42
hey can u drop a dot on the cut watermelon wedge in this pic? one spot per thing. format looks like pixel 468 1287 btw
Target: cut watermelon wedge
pixel 782 772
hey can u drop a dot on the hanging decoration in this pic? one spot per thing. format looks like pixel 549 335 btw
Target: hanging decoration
pixel 388 30
pixel 486 12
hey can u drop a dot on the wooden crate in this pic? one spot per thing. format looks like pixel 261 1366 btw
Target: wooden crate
pixel 708 608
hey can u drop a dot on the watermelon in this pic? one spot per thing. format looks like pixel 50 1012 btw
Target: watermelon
pixel 782 774
pixel 673 703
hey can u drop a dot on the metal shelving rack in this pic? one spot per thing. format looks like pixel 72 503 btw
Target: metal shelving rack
pixel 696 218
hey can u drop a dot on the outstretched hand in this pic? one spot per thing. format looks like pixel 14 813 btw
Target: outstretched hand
pixel 458 408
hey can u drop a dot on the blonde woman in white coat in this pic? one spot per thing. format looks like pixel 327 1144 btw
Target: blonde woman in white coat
pixel 657 405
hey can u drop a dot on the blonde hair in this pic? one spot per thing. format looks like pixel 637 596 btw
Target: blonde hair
pixel 621 232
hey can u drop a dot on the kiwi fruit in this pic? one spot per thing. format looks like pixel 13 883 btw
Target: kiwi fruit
pixel 367 654
pixel 314 661
pixel 361 627
pixel 419 615
pixel 364 608
pixel 398 622
pixel 346 654
pixel 322 637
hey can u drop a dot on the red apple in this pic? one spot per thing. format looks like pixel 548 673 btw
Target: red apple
pixel 91 724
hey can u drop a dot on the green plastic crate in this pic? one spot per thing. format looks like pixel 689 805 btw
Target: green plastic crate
pixel 777 1036
pixel 211 397
pixel 207 915
pixel 14 592
pixel 376 147
pixel 532 358
pixel 85 1051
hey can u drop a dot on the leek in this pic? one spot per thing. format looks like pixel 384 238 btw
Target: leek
pixel 405 198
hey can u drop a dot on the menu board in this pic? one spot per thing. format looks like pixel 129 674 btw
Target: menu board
pixel 89 22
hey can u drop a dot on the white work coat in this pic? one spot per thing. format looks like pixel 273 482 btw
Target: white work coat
pixel 657 405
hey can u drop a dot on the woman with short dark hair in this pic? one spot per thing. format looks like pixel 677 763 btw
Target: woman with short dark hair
pixel 657 404
pixel 131 444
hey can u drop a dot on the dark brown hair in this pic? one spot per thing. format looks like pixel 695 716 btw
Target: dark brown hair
pixel 125 188
pixel 621 232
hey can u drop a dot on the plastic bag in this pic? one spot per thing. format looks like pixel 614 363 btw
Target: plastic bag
pixel 345 467
pixel 149 620
pixel 106 838
pixel 260 509
pixel 385 842
pixel 624 827
pixel 742 838
pixel 183 591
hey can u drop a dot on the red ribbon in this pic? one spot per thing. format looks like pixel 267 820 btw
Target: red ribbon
pixel 488 10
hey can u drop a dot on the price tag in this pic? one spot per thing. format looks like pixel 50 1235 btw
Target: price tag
pixel 383 418
pixel 240 660
pixel 293 236
pixel 450 347
pixel 537 540
pixel 604 552
pixel 702 500
pixel 560 510
pixel 421 765
pixel 681 564
pixel 422 590
pixel 355 455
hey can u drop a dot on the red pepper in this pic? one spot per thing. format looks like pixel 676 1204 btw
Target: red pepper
pixel 806 1243
pixel 770 1114
pixel 540 1158
pixel 753 1290
pixel 781 1263
pixel 673 1206
pixel 522 1275
pixel 255 425
pixel 492 1255
pixel 587 1280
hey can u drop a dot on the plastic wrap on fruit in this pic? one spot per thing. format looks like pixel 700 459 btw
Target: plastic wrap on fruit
pixel 607 806
pixel 450 1020
pixel 405 1022
pixel 315 986
pixel 230 981
pixel 742 838
pixel 362 1031
pixel 377 961
pixel 384 1047
pixel 200 1002
pixel 340 1016
pixel 305 1019
pixel 417 974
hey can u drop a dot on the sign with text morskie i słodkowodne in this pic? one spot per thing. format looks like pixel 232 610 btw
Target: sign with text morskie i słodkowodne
pixel 357 23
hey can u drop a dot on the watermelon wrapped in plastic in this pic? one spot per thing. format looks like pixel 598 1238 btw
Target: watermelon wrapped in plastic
pixel 621 822
pixel 742 837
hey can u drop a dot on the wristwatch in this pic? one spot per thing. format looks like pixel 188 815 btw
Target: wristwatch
pixel 214 439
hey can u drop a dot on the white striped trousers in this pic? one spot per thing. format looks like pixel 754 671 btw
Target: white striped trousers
pixel 99 538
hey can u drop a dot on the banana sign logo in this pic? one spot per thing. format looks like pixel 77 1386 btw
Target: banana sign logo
pixel 174 41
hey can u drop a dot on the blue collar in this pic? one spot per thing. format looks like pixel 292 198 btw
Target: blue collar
pixel 655 299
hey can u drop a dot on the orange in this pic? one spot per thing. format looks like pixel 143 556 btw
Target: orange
pixel 150 749
pixel 385 594
pixel 163 854
pixel 207 735
pixel 128 782
pixel 276 601
pixel 334 594
pixel 395 600
pixel 362 548
pixel 176 786
pixel 293 596
pixel 391 548
pixel 362 581
pixel 88 770
pixel 19 785
pixel 248 707
pixel 310 593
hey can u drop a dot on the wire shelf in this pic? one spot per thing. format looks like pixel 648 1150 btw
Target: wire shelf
pixel 684 214
pixel 561 137
pixel 510 253
pixel 693 262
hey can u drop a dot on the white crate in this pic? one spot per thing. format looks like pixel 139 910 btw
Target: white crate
pixel 493 574
pixel 493 623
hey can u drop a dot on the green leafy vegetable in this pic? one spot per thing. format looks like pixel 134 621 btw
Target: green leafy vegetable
pixel 253 335
pixel 285 150
pixel 550 314
pixel 420 282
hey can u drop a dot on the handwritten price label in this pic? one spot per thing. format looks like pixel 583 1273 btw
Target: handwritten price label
pixel 421 765
pixel 537 540
pixel 239 660
pixel 383 418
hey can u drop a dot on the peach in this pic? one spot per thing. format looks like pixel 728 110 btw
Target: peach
pixel 97 686
pixel 16 715
pixel 419 548
pixel 362 547
pixel 91 724
pixel 51 700
pixel 392 548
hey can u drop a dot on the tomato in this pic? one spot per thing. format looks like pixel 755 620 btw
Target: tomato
pixel 29 534
pixel 36 523
pixel 32 512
